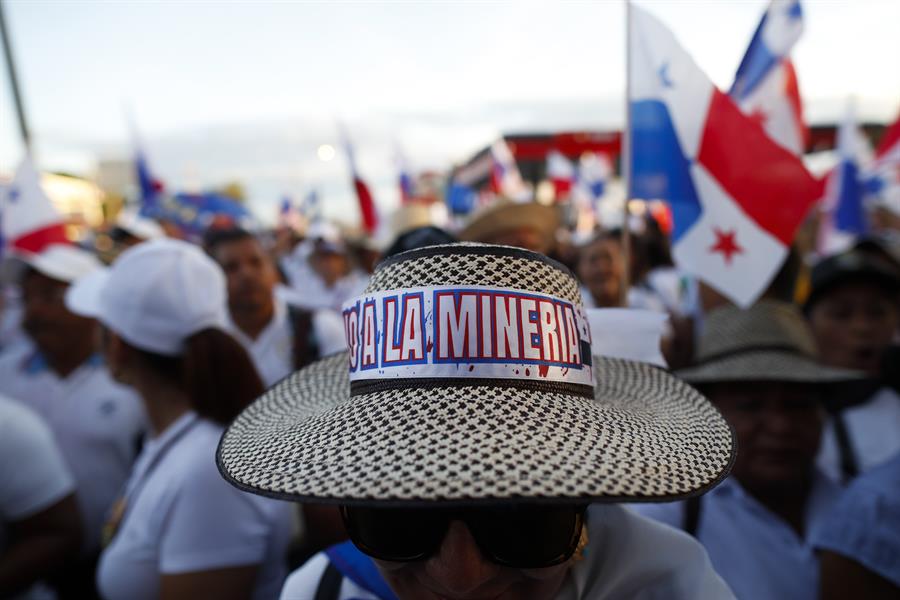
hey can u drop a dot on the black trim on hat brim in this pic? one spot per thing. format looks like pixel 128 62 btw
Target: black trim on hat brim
pixel 476 249
pixel 475 502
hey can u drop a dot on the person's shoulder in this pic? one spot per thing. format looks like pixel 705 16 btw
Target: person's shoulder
pixel 303 583
pixel 26 440
pixel 20 424
pixel 864 522
pixel 633 556
pixel 14 358
pixel 670 513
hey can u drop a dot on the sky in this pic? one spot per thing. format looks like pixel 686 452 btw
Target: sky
pixel 215 91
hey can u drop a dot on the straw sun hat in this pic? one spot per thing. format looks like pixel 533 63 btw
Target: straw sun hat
pixel 504 214
pixel 470 380
pixel 768 342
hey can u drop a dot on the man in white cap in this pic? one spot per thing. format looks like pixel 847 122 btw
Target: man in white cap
pixel 97 423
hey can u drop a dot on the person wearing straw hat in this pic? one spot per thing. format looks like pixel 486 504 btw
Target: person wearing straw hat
pixel 57 372
pixel 854 312
pixel 760 368
pixel 178 531
pixel 464 434
pixel 528 225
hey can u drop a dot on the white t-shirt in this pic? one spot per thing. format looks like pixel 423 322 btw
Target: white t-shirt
pixel 874 431
pixel 97 423
pixel 32 470
pixel 273 349
pixel 628 557
pixel 182 517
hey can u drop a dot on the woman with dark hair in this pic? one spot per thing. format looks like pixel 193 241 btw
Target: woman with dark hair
pixel 179 531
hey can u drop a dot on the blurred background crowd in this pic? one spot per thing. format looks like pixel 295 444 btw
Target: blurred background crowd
pixel 582 196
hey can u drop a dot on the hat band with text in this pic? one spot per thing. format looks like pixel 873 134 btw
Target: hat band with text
pixel 467 333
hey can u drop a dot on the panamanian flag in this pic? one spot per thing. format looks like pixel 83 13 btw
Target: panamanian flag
pixel 28 220
pixel 843 206
pixel 737 197
pixel 765 85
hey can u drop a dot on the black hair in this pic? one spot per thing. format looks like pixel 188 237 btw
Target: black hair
pixel 217 237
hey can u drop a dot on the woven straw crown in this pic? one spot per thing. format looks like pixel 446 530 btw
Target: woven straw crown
pixel 770 341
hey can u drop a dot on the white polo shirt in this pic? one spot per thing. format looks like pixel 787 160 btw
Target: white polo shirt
pixel 182 517
pixel 874 431
pixel 97 424
pixel 32 470
pixel 627 558
pixel 273 349
pixel 753 549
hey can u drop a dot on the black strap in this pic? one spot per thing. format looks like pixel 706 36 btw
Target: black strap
pixel 306 346
pixel 849 464
pixel 329 583
pixel 692 509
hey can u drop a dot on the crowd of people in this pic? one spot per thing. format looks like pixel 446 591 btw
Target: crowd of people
pixel 181 422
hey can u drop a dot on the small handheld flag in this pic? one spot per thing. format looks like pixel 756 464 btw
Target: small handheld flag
pixel 367 209
pixel 29 221
pixel 765 85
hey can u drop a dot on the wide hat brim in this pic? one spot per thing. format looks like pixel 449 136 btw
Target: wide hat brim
pixel 768 365
pixel 646 436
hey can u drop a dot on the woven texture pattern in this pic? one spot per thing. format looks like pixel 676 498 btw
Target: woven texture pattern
pixel 766 323
pixel 477 269
pixel 769 341
pixel 646 436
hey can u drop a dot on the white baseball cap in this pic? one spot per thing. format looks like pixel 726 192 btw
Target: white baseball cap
pixel 131 220
pixel 63 262
pixel 155 295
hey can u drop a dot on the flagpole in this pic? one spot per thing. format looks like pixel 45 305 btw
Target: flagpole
pixel 14 81
pixel 625 162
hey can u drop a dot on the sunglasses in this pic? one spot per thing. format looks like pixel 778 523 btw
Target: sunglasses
pixel 522 537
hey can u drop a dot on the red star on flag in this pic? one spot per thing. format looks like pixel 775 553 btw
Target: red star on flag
pixel 725 244
pixel 759 116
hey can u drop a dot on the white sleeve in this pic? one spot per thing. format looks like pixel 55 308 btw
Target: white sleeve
pixel 632 557
pixel 31 467
pixel 303 583
pixel 329 330
pixel 212 525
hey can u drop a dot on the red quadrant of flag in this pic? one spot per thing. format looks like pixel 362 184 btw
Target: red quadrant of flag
pixel 769 183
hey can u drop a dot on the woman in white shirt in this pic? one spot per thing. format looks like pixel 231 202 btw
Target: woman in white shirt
pixel 179 531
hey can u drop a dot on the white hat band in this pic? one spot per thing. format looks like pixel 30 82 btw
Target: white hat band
pixel 462 334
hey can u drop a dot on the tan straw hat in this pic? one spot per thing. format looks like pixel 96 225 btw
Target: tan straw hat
pixel 470 379
pixel 770 341
pixel 504 214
